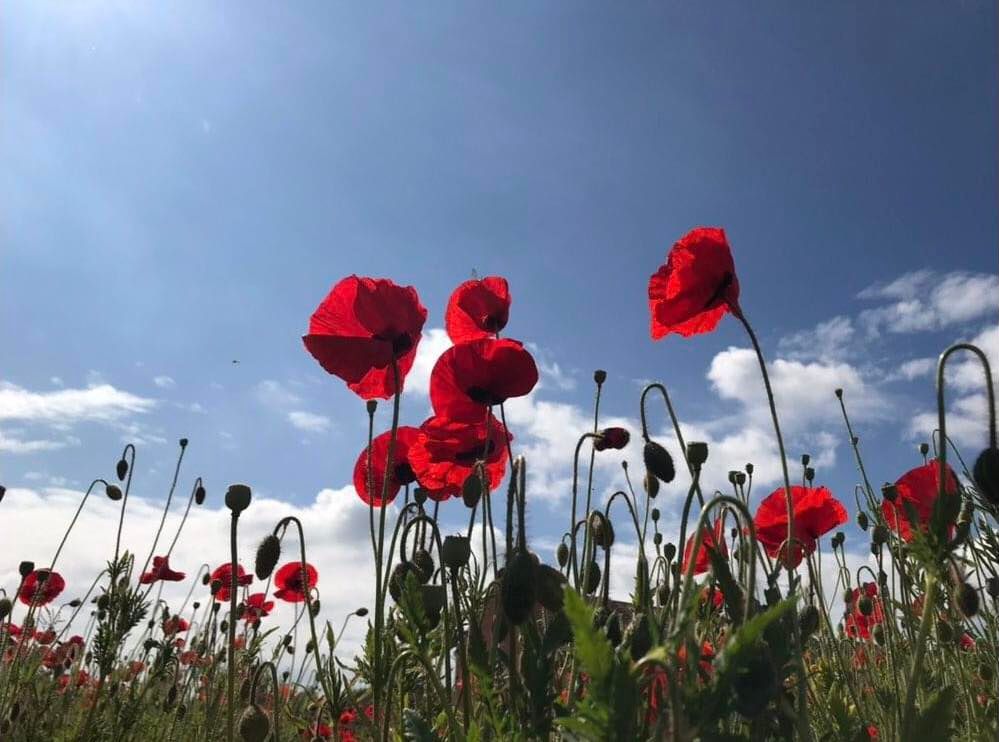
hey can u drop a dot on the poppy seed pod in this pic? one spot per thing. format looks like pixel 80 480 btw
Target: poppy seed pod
pixel 657 539
pixel 121 469
pixel 371 405
pixel 809 474
pixel 967 600
pixel 697 453
pixel 740 478
pixel 655 515
pixel 612 438
pixel 183 442
pixel 268 554
pixel 986 474
pixel 669 551
pixel 419 495
pixel 254 726
pixel 651 484
pixel 924 448
pixel 749 469
pixel 805 459
pixel 518 588
pixel 599 376
pixel 237 498
pixel 658 462
pixel 562 555
pixel 5 608
pixel 865 605
pixel 424 565
pixel 889 492
pixel 456 551
pixel 199 495
pixel 731 476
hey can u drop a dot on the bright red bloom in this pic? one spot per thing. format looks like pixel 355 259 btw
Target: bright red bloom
pixel 322 731
pixel 292 584
pixel 361 327
pixel 966 642
pixel 45 637
pixel 711 539
pixel 857 625
pixel 816 512
pixel 470 377
pixel 478 308
pixel 712 597
pixel 224 575
pixel 696 286
pixel 257 606
pixel 919 487
pixel 41 587
pixel 402 470
pixel 446 452
pixel 161 571
pixel 872 732
pixel 175 625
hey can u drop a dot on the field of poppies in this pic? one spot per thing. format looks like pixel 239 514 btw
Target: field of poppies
pixel 728 634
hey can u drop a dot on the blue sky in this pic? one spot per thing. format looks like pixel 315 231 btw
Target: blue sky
pixel 181 183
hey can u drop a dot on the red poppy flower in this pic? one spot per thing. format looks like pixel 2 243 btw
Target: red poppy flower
pixel 816 512
pixel 470 377
pixel 611 438
pixel 292 584
pixel 857 624
pixel 446 452
pixel 696 287
pixel 919 488
pixel 175 625
pixel 711 539
pixel 320 731
pixel 402 470
pixel 478 308
pixel 45 637
pixel 711 597
pixel 257 606
pixel 41 587
pixel 361 327
pixel 161 571
pixel 224 575
pixel 967 643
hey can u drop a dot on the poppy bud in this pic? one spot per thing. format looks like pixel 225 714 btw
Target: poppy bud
pixel 5 608
pixel 967 600
pixel 551 583
pixel 216 586
pixel 268 554
pixel 75 603
pixel 838 393
pixel 697 453
pixel 599 376
pixel 562 555
pixel 314 607
pixel 809 474
pixel 424 565
pixel 102 601
pixel 237 498
pixel 613 629
pixel 862 520
pixel 749 469
pixel 205 578
pixel 471 490
pixel 641 637
pixel 945 632
pixel 309 646
pixel 655 515
pixel 518 587
pixel 361 612
pixel 669 551
pixel 419 495
pixel 986 474
pixel 658 462
pixel 615 438
pixel 657 539
pixel 992 587
pixel 880 534
pixel 121 469
pixel 196 605
pixel 878 632
pixel 456 551
pixel 397 580
pixel 199 495
pixel 805 459
pixel 254 726
pixel 223 626
pixel 840 537
pixel 986 672
pixel 593 581
pixel 3 491
pixel 651 484
pixel 601 530
pixel 662 593
pixel 865 605
pixel 26 568
pixel 371 405
pixel 731 476
pixel 740 478
pixel 808 620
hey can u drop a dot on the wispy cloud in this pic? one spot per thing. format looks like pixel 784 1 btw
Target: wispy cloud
pixel 309 422
pixel 164 382
pixel 102 403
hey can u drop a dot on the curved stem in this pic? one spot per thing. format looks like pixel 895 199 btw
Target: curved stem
pixel 166 508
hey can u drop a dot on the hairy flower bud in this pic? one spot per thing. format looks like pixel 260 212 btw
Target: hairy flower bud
pixel 424 565
pixel 268 554
pixel 967 600
pixel 199 495
pixel 658 462
pixel 669 551
pixel 651 484
pixel 593 579
pixel 26 568
pixel 471 490
pixel 254 725
pixel 518 589
pixel 601 530
pixel 121 469
pixel 809 474
pixel 562 555
pixel 862 520
pixel 805 459
pixel 986 475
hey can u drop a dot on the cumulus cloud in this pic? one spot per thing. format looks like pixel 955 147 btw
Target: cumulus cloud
pixel 831 339
pixel 434 342
pixel 309 422
pixel 101 403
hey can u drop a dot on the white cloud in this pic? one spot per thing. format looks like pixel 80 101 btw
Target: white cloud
pixel 276 395
pixel 827 340
pixel 309 422
pixel 15 445
pixel 56 381
pixel 102 403
pixel 164 382
pixel 915 368
pixel 925 300
pixel 434 342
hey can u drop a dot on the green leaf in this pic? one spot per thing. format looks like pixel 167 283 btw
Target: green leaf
pixel 593 649
pixel 415 728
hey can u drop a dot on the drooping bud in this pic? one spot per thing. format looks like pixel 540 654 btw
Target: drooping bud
pixel 986 474
pixel 121 469
pixel 456 551
pixel 562 555
pixel 199 495
pixel 697 453
pixel 254 725
pixel 268 554
pixel 658 462
pixel 113 492
pixel 593 579
pixel 424 565
pixel 601 530
pixel 471 490
pixel 397 580
pixel 237 498
pixel 550 583
pixel 518 589
pixel 862 520
pixel 612 438
pixel 651 484
pixel 967 600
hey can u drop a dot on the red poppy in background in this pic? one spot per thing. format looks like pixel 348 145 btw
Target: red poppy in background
pixel 470 377
pixel 292 584
pixel 611 438
pixel 175 625
pixel 696 286
pixel 45 637
pixel 406 437
pixel 361 327
pixel 858 625
pixel 446 451
pixel 919 487
pixel 478 308
pixel 161 571
pixel 712 539
pixel 224 575
pixel 41 587
pixel 816 512
pixel 966 642
pixel 257 606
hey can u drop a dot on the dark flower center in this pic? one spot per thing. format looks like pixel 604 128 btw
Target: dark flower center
pixel 471 455
pixel 492 323
pixel 722 287
pixel 404 473
pixel 483 396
